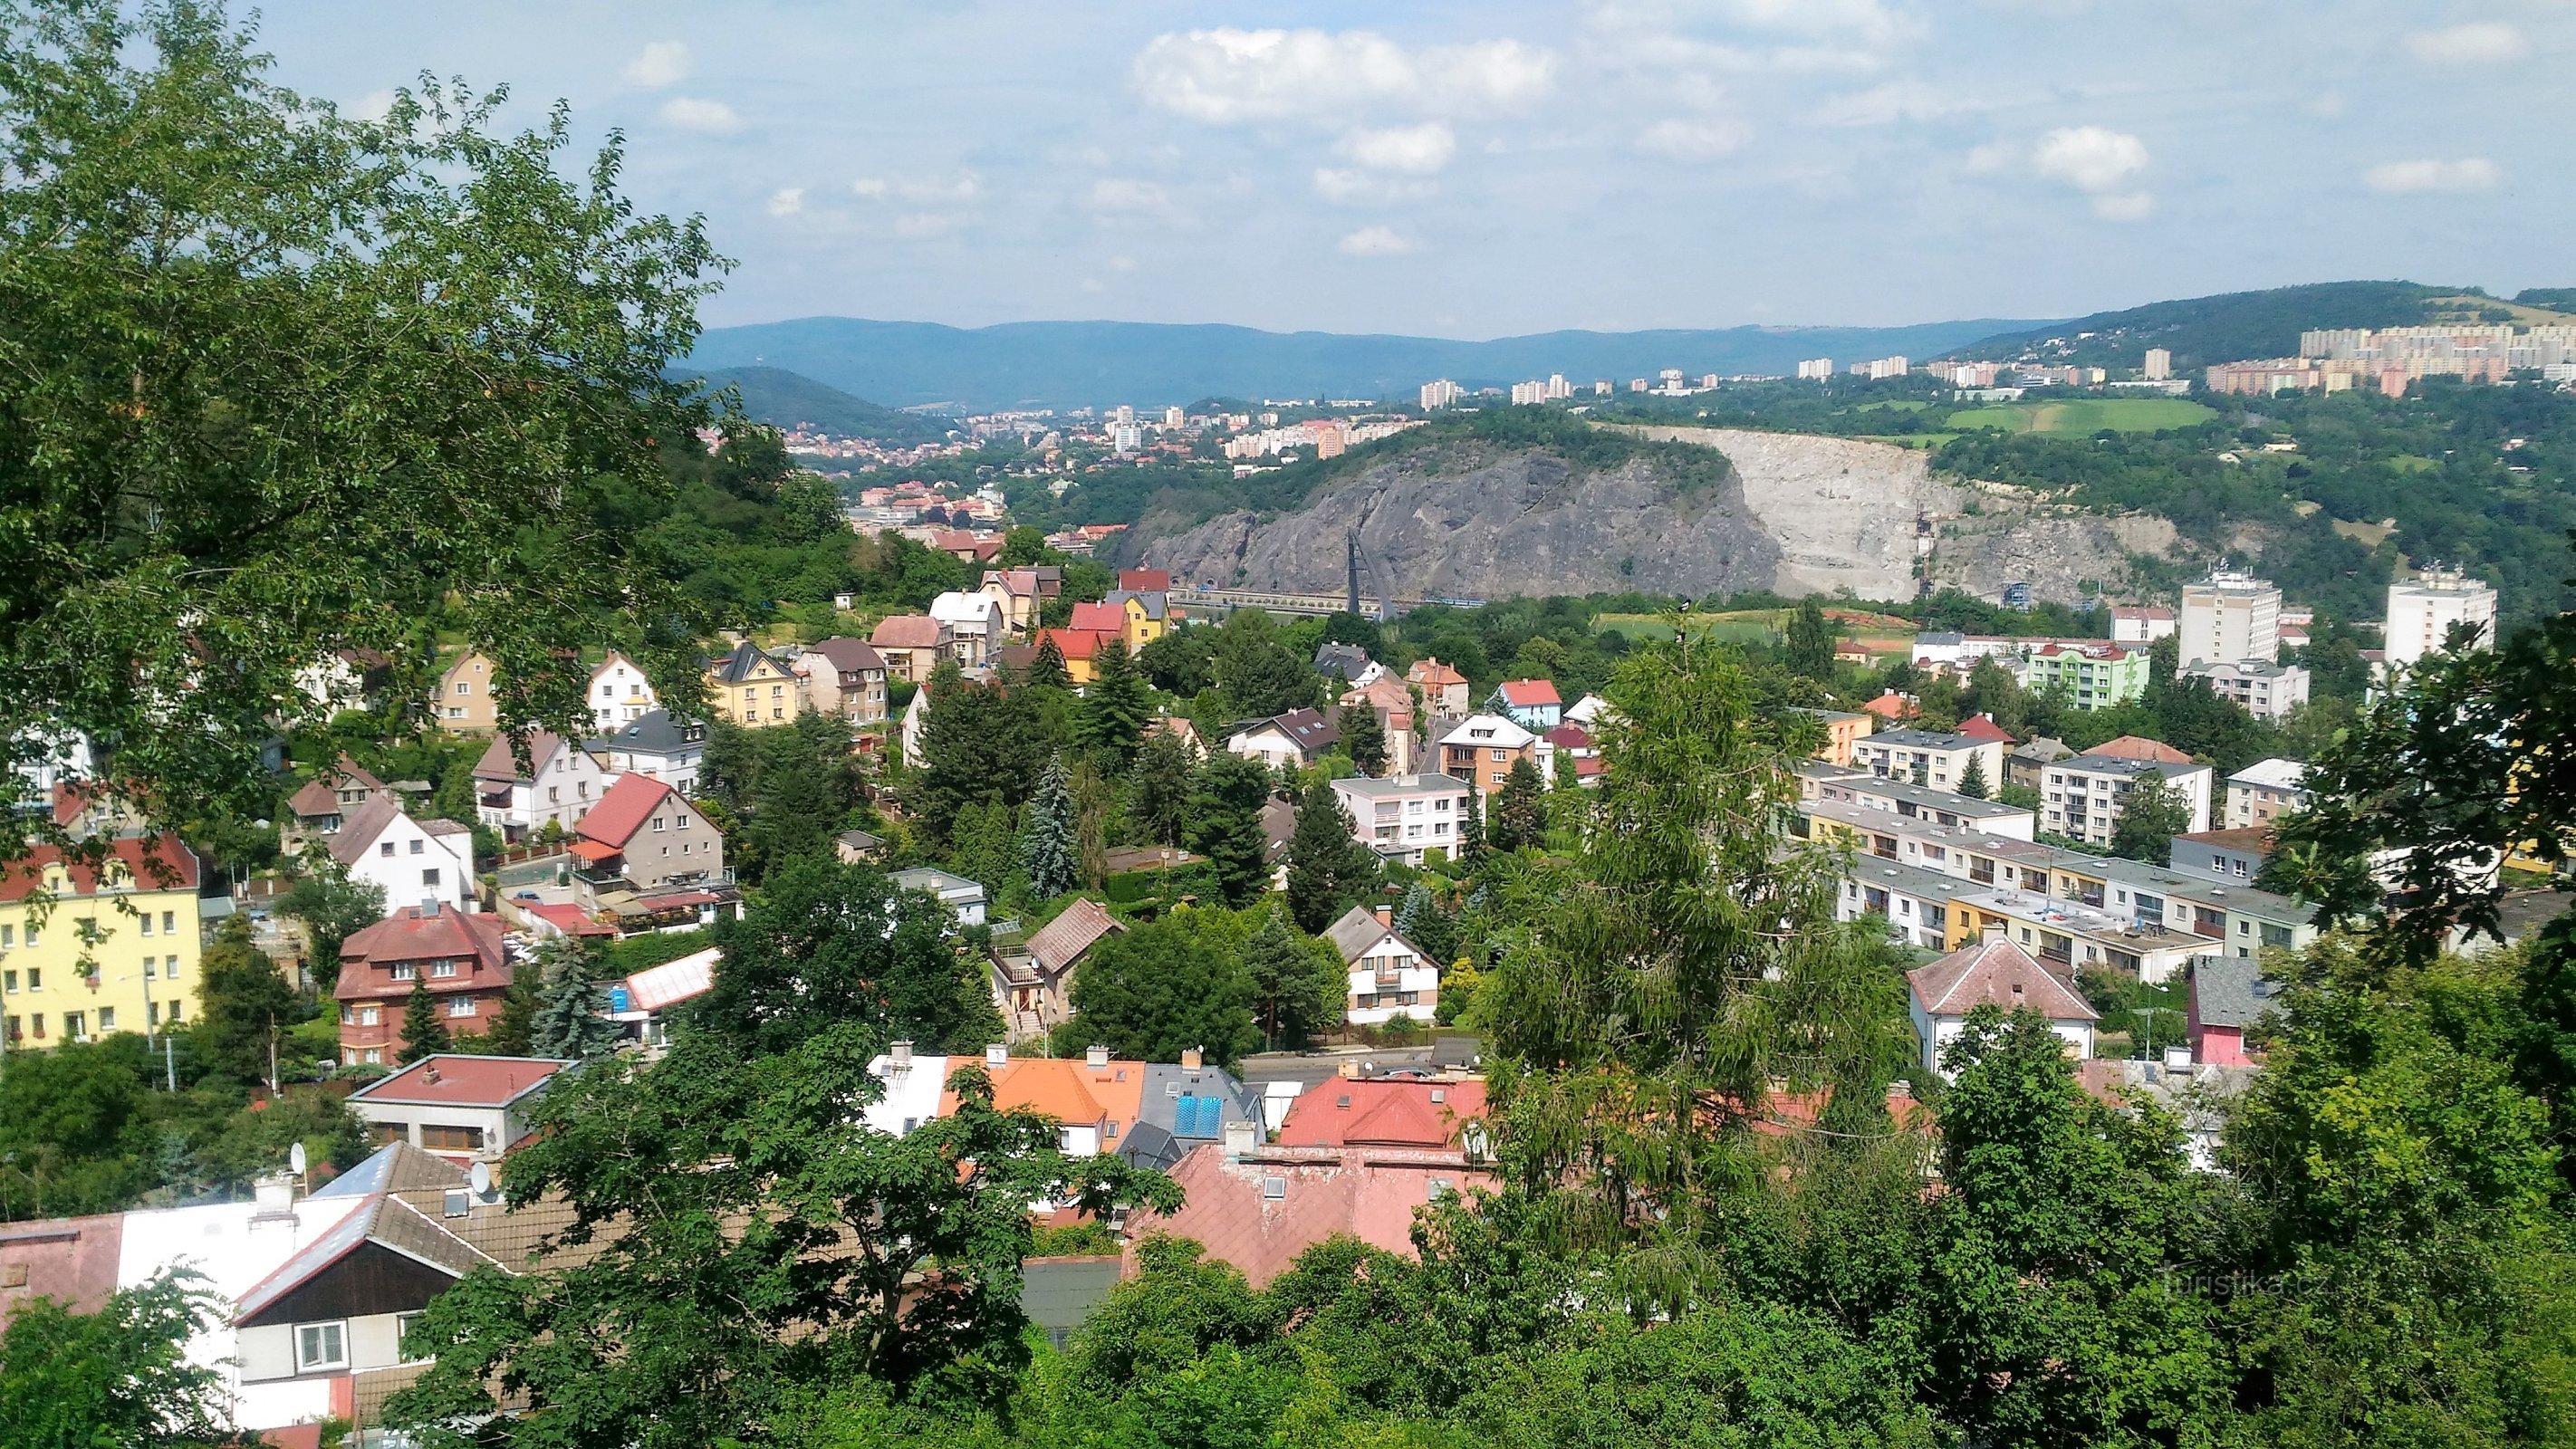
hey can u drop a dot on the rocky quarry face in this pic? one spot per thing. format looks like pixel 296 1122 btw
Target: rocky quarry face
pixel 1796 513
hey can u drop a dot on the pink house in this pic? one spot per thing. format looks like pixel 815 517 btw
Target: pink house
pixel 2227 995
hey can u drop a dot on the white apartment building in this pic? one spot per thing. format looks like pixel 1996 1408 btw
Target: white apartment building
pixel 1440 394
pixel 2262 689
pixel 2422 610
pixel 2263 792
pixel 1926 758
pixel 1404 815
pixel 2082 796
pixel 2229 617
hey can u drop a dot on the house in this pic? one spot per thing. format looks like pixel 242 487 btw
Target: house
pixel 1186 1106
pixel 1391 701
pixel 2259 687
pixel 976 626
pixel 344 678
pixel 77 967
pixel 912 1089
pixel 1389 975
pixel 1298 738
pixel 964 898
pixel 1402 816
pixel 1819 781
pixel 1994 971
pixel 1146 615
pixel 2087 676
pixel 1481 749
pixel 1347 663
pixel 2140 624
pixel 2233 854
pixel 1587 712
pixel 411 861
pixel 1095 1099
pixel 558 785
pixel 463 1108
pixel 1983 729
pixel 2224 995
pixel 657 747
pixel 1032 982
pixel 1890 707
pixel 619 693
pixel 2264 791
pixel 2083 796
pixel 1016 592
pixel 1530 703
pixel 643 837
pixel 857 847
pixel 1444 690
pixel 463 702
pixel 2026 766
pixel 2139 747
pixel 458 956
pixel 1078 648
pixel 844 677
pixel 644 1002
pixel 1842 729
pixel 1927 758
pixel 1179 727
pixel 1396 1113
pixel 751 688
pixel 911 646
pixel 319 807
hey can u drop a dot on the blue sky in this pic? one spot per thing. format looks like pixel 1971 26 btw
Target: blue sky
pixel 1507 167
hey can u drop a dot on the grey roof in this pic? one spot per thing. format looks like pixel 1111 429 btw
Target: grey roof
pixel 394 1167
pixel 847 655
pixel 386 1221
pixel 1398 784
pixel 2231 991
pixel 1155 602
pixel 2123 765
pixel 1157 1140
pixel 2042 748
pixel 1940 638
pixel 653 733
pixel 1343 661
pixel 936 881
pixel 1307 729
pixel 1966 807
pixel 1917 740
pixel 734 668
pixel 1359 929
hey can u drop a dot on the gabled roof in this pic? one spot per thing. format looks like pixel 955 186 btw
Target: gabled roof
pixel 407 935
pixel 2000 972
pixel 740 665
pixel 386 1221
pixel 653 733
pixel 321 795
pixel 847 655
pixel 1344 1112
pixel 1152 601
pixel 623 809
pixel 1013 581
pixel 959 606
pixel 395 1167
pixel 1983 729
pixel 907 631
pixel 1307 729
pixel 1889 706
pixel 1145 581
pixel 2139 747
pixel 1358 930
pixel 1069 1089
pixel 2231 991
pixel 137 858
pixel 2271 775
pixel 2042 748
pixel 1569 737
pixel 1075 644
pixel 1106 617
pixel 1526 693
pixel 1345 662
pixel 1486 732
pixel 1060 942
pixel 500 762
pixel 1430 673
pixel 357 835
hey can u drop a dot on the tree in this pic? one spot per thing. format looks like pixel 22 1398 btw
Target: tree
pixel 118 1376
pixel 424 1028
pixel 1259 674
pixel 1158 789
pixel 571 1021
pixel 1364 737
pixel 375 290
pixel 1224 815
pixel 1471 831
pixel 1046 666
pixel 1115 705
pixel 244 1006
pixel 985 848
pixel 1328 869
pixel 2149 819
pixel 1157 990
pixel 828 943
pixel 1972 781
pixel 1298 984
pixel 1520 809
pixel 1420 919
pixel 514 1026
pixel 981 744
pixel 1047 839
pixel 332 908
pixel 1809 641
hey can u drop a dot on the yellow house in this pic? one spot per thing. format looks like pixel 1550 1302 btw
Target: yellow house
pixel 141 968
pixel 751 689
pixel 463 703
pixel 1147 612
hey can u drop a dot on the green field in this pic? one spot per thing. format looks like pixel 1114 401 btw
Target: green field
pixel 2087 415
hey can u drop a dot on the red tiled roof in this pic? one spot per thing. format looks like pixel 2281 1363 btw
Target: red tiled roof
pixel 1889 706
pixel 1145 581
pixel 462 1081
pixel 1432 674
pixel 2139 747
pixel 408 935
pixel 1109 618
pixel 623 809
pixel 905 631
pixel 595 850
pixel 1340 1112
pixel 1569 737
pixel 1370 1195
pixel 1983 729
pixel 1999 972
pixel 143 859
pixel 1523 693
pixel 568 918
pixel 72 1260
pixel 1077 643
pixel 1069 1089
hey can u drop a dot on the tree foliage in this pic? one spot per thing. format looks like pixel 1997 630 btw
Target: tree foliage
pixel 1157 990
pixel 118 1376
pixel 424 1028
pixel 1329 870
pixel 1047 846
pixel 571 1021
pixel 828 943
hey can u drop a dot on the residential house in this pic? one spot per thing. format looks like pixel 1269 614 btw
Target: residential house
pixel 1078 648
pixel 619 693
pixel 2084 795
pixel 844 677
pixel 1300 737
pixel 1015 591
pixel 1983 729
pixel 1403 816
pixel 1914 901
pixel 1819 781
pixel 2259 687
pixel 976 626
pixel 2225 995
pixel 1179 727
pixel 1145 581
pixel 912 1088
pixel 642 837
pixel 74 966
pixel 1993 971
pixel 750 687
pixel 2233 854
pixel 344 678
pixel 1890 707
pixel 2139 747
pixel 457 956
pixel 412 861
pixel 1032 980
pixel 1347 663
pixel 1186 1106
pixel 2264 791
pixel 464 703
pixel 2140 624
pixel 1530 703
pixel 1481 749
pixel 1444 690
pixel 911 646
pixel 658 747
pixel 1145 615
pixel 963 898
pixel 1587 711
pixel 858 847
pixel 2087 676
pixel 645 1002
pixel 1927 758
pixel 1392 702
pixel 1094 1099
pixel 1389 975
pixel 1843 728
pixel 323 803
pixel 460 1107
pixel 557 786
pixel 2027 765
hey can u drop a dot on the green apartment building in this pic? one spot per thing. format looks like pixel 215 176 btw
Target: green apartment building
pixel 2092 676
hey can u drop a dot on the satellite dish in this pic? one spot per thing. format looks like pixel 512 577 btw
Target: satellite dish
pixel 479 1178
pixel 295 1158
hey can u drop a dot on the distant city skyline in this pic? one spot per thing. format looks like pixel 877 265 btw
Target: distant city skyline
pixel 1517 167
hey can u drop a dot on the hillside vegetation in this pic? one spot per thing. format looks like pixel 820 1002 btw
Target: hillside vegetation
pixel 784 399
pixel 2202 330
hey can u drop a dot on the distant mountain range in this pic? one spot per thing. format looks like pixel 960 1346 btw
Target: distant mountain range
pixel 784 399
pixel 1073 364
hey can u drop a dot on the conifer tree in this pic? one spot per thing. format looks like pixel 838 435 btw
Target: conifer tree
pixel 424 1031
pixel 1224 824
pixel 1297 986
pixel 1046 837
pixel 1520 809
pixel 985 849
pixel 1363 737
pixel 1972 782
pixel 1158 789
pixel 1046 668
pixel 1328 869
pixel 569 1023
pixel 1115 707
pixel 1471 829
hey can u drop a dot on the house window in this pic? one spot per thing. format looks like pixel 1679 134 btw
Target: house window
pixel 429 877
pixel 443 1137
pixel 106 1019
pixel 151 968
pixel 679 822
pixel 371 1016
pixel 442 968
pixel 460 1006
pixel 169 923
pixel 385 849
pixel 417 845
pixel 174 1010
pixel 321 1346
pixel 147 923
pixel 657 824
pixel 170 968
pixel 456 1204
pixel 405 971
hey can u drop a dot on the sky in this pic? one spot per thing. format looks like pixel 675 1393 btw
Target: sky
pixel 1492 169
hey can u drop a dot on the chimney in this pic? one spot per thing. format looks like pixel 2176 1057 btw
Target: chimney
pixel 1095 1057
pixel 1192 1058
pixel 996 1056
pixel 429 1071
pixel 1994 936
pixel 902 1056
pixel 1349 1068
pixel 1385 915
pixel 2177 1058
pixel 1240 1138
pixel 273 1199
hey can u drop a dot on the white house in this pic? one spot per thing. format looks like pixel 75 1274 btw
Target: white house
pixel 2083 796
pixel 1926 758
pixel 411 861
pixel 1389 976
pixel 912 1088
pixel 1998 972
pixel 2264 791
pixel 976 625
pixel 619 693
pixel 1299 737
pixel 964 898
pixel 1404 815
pixel 465 1108
pixel 657 747
pixel 560 784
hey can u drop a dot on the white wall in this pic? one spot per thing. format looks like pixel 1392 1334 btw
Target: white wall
pixel 414 852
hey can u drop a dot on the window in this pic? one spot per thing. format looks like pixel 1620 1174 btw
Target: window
pixel 8 937
pixel 463 688
pixel 1274 1188
pixel 442 968
pixel 320 1346
pixel 460 1006
pixel 456 1203
pixel 680 822
pixel 174 1010
pixel 429 877
pixel 444 1137
pixel 106 1019
pixel 9 982
pixel 405 971
pixel 371 1016
pixel 35 977
pixel 147 923
pixel 417 845
pixel 385 849
pixel 657 824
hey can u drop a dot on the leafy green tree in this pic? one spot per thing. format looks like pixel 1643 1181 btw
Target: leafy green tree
pixel 1182 662
pixel 1328 870
pixel 829 943
pixel 331 908
pixel 1115 705
pixel 1155 991
pixel 1363 737
pixel 1298 984
pixel 1047 837
pixel 244 1006
pixel 985 848
pixel 790 787
pixel 1972 780
pixel 119 1376
pixel 74 1128
pixel 424 1028
pixel 1224 824
pixel 1159 789
pixel 981 743
pixel 1520 810
pixel 1809 641
pixel 2152 815
pixel 571 1022
pixel 1260 674
pixel 513 1030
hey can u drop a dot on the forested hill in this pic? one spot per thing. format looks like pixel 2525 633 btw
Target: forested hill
pixel 2234 325
pixel 785 399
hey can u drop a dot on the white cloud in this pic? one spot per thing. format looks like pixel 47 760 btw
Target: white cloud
pixel 1374 241
pixel 691 114
pixel 921 225
pixel 787 201
pixel 2124 206
pixel 1906 100
pixel 964 186
pixel 871 188
pixel 1865 20
pixel 2089 158
pixel 1350 185
pixel 1126 194
pixel 2469 173
pixel 2478 43
pixel 1228 75
pixel 373 106
pixel 662 63
pixel 1691 140
pixel 1420 150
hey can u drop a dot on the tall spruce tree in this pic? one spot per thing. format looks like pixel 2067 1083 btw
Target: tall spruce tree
pixel 244 1005
pixel 1363 737
pixel 571 1021
pixel 1810 641
pixel 1328 870
pixel 1471 829
pixel 1047 852
pixel 1115 705
pixel 424 1029
pixel 1224 814
pixel 1158 789
pixel 1520 809
pixel 1972 781
pixel 1046 666
pixel 1298 985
